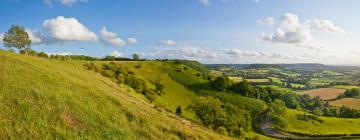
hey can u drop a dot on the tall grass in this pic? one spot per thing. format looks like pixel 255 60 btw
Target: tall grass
pixel 51 99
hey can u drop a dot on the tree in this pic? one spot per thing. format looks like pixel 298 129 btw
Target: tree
pixel 178 110
pixel 244 88
pixel 136 57
pixel 209 111
pixel 17 37
pixel 221 83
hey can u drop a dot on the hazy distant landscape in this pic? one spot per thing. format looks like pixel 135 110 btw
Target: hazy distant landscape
pixel 179 70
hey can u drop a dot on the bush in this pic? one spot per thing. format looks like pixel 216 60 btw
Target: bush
pixel 221 83
pixel 178 110
pixel 42 54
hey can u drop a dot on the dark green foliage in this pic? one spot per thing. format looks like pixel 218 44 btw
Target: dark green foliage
pixel 136 57
pixel 275 113
pixel 42 54
pixel 73 57
pixel 178 110
pixel 159 87
pixel 350 93
pixel 291 100
pixel 17 37
pixel 218 116
pixel 244 88
pixel 221 83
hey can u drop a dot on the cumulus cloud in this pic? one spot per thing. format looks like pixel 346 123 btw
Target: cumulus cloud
pixel 68 29
pixel 132 41
pixel 189 53
pixel 1 37
pixel 34 36
pixel 111 38
pixel 63 2
pixel 323 25
pixel 116 54
pixel 266 21
pixel 204 2
pixel 255 54
pixel 291 31
pixel 355 52
pixel 167 43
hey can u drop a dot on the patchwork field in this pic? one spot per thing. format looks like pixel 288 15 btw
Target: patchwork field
pixel 346 86
pixel 324 93
pixel 258 80
pixel 350 102
pixel 236 79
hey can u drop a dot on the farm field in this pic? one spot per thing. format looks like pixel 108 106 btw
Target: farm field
pixel 235 79
pixel 324 93
pixel 258 80
pixel 349 102
pixel 346 86
pixel 329 125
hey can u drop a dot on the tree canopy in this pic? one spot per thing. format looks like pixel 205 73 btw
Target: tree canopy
pixel 17 37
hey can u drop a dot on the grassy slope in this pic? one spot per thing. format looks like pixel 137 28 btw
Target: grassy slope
pixel 175 93
pixel 330 125
pixel 42 99
pixel 178 85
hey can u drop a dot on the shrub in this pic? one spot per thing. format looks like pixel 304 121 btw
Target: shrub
pixel 178 110
pixel 221 83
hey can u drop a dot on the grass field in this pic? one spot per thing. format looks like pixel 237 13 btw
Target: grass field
pixel 275 80
pixel 50 99
pixel 330 125
pixel 349 102
pixel 324 93
pixel 235 79
pixel 346 86
pixel 258 80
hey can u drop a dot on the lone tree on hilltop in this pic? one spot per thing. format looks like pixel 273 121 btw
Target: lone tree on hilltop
pixel 17 37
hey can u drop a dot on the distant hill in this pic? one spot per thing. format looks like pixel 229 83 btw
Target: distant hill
pixel 304 66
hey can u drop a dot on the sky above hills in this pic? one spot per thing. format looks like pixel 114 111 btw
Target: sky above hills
pixel 210 31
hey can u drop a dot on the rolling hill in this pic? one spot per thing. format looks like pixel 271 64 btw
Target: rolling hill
pixel 51 99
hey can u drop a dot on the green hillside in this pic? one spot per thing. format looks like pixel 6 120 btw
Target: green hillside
pixel 51 99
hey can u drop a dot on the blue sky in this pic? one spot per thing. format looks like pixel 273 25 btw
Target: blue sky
pixel 210 31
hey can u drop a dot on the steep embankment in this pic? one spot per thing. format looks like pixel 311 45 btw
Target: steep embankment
pixel 50 99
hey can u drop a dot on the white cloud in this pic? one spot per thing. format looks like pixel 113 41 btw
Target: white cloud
pixel 111 38
pixel 204 2
pixel 1 37
pixel 34 36
pixel 63 2
pixel 291 31
pixel 116 54
pixel 68 29
pixel 266 21
pixel 323 25
pixel 132 41
pixel 355 52
pixel 167 43
pixel 255 54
